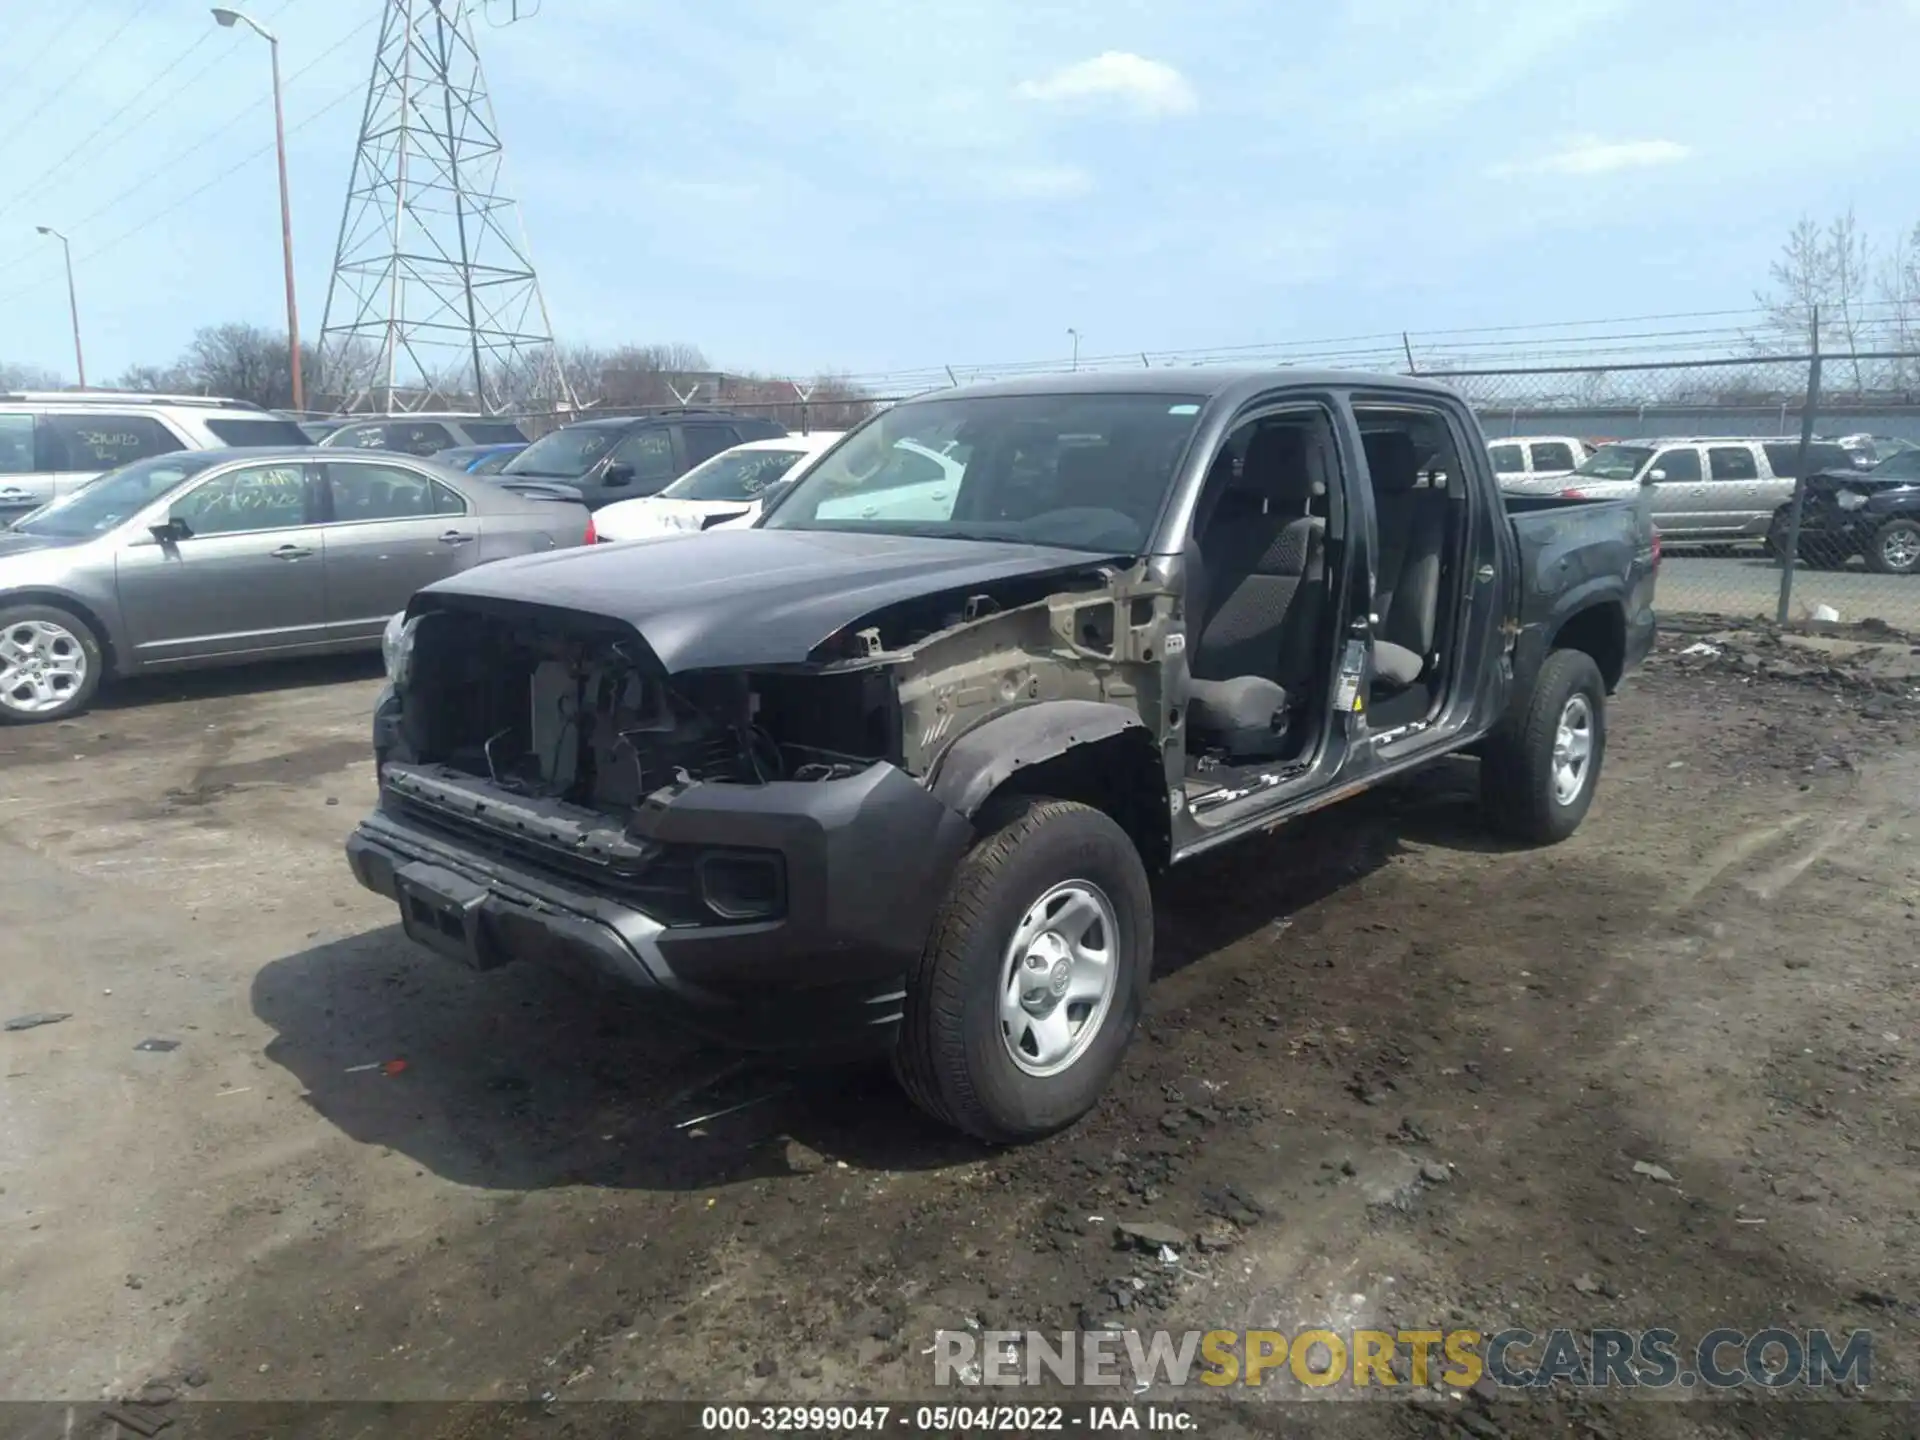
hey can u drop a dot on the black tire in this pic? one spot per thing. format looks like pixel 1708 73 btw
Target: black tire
pixel 13 622
pixel 950 1057
pixel 1776 542
pixel 1904 530
pixel 1517 766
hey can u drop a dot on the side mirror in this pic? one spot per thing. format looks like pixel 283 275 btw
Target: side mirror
pixel 771 496
pixel 170 532
pixel 618 472
pixel 1652 476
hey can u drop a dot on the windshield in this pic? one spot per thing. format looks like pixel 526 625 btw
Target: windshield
pixel 1614 462
pixel 565 453
pixel 734 475
pixel 114 498
pixel 1901 465
pixel 1083 472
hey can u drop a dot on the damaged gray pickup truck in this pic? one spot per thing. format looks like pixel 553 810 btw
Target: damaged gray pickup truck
pixel 891 771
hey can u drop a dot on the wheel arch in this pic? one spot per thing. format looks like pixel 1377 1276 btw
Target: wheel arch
pixel 79 609
pixel 1599 629
pixel 1098 754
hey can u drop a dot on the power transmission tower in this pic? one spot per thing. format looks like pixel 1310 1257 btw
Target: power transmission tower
pixel 433 298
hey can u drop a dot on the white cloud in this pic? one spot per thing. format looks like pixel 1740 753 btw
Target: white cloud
pixel 1146 86
pixel 1598 157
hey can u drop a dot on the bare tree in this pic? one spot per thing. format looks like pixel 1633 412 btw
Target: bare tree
pixel 1828 270
pixel 1850 265
pixel 1802 280
pixel 18 375
pixel 1897 283
pixel 154 379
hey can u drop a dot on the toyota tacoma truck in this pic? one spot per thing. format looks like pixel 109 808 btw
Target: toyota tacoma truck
pixel 891 771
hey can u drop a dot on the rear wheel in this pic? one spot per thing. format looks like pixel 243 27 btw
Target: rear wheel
pixel 50 664
pixel 1539 769
pixel 1033 975
pixel 1895 548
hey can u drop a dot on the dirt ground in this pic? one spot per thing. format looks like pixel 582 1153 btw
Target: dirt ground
pixel 1398 1076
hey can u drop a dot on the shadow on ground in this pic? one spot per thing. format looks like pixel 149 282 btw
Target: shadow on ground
pixel 518 1080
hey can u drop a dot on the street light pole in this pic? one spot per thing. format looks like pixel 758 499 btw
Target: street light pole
pixel 73 303
pixel 229 18
pixel 1076 346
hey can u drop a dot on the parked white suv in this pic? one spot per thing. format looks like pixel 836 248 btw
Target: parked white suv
pixel 1535 464
pixel 53 442
pixel 1703 488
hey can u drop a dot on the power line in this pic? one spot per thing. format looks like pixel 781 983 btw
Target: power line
pixel 33 186
pixel 52 39
pixel 162 169
pixel 85 65
pixel 199 190
pixel 145 93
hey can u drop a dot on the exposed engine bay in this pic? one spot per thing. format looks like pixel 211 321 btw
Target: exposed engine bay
pixel 581 712
pixel 560 705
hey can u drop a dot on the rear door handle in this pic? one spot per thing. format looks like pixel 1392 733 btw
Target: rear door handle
pixel 14 492
pixel 455 537
pixel 292 552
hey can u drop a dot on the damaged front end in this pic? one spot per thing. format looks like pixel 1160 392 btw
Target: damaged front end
pixel 752 840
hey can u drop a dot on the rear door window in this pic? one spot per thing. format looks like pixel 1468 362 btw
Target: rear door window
pixel 1507 460
pixel 1552 455
pixel 703 442
pixel 101 442
pixel 388 492
pixel 1732 462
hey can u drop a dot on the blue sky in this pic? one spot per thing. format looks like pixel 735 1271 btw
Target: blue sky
pixel 872 185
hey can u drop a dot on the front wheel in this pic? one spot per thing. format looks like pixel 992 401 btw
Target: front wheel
pixel 1895 548
pixel 1539 769
pixel 1033 974
pixel 50 664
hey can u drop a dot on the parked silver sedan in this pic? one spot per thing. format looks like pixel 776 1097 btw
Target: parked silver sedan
pixel 214 557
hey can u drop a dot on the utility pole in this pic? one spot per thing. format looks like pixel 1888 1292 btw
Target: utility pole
pixel 228 19
pixel 73 304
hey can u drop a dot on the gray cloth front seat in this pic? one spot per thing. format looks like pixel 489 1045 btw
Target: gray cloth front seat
pixel 1262 562
pixel 1412 540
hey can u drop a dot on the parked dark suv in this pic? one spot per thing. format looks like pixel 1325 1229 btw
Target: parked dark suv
pixel 629 456
pixel 632 456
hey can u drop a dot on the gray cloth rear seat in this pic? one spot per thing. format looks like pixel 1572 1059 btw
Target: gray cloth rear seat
pixel 1262 561
pixel 1412 540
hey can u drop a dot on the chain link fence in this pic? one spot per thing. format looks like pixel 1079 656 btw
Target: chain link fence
pixel 1722 451
pixel 1713 446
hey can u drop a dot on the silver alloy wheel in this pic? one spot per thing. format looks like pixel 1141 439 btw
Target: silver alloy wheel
pixel 42 666
pixel 1900 549
pixel 1572 749
pixel 1058 977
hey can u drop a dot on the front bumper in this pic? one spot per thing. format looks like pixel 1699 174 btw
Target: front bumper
pixel 867 861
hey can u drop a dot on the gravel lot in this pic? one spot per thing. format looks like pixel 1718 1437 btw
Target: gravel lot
pixel 1715 976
